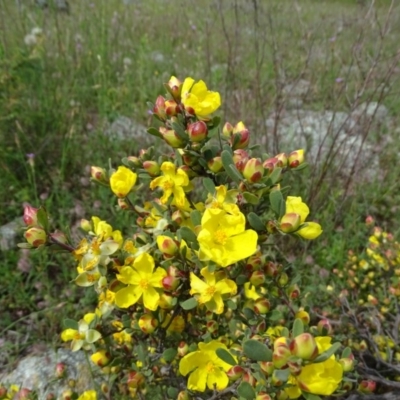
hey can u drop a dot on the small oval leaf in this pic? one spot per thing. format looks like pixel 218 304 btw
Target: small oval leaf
pixel 257 351
pixel 226 356
pixel 189 304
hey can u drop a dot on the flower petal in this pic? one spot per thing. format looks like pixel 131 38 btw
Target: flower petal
pixel 128 276
pixel 125 297
pixel 151 298
pixel 311 231
pixel 144 265
pixel 197 379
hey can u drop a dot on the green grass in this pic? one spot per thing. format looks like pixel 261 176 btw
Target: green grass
pixel 100 62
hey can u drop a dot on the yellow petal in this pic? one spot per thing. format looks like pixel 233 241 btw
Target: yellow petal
pixel 311 231
pixel 217 379
pixel 128 276
pixel 197 285
pixel 296 205
pixel 144 264
pixel 128 296
pixel 151 298
pixel 197 379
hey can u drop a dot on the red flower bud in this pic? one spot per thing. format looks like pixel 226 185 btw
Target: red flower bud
pixel 135 379
pixel 263 396
pixel 183 349
pixel 98 174
pixel 159 108
pixel 267 367
pixel 235 372
pixel 282 160
pixel 257 278
pixel 262 306
pixel 215 164
pixel 36 236
pixel 290 222
pixel 174 87
pixel 147 323
pixel 171 137
pixel 253 170
pixel 227 130
pixel 30 215
pixel 171 108
pixel 296 158
pixel 198 131
pixel 324 327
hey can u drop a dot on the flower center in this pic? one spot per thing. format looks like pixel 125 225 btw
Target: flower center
pixel 168 185
pixel 210 367
pixel 220 237
pixel 144 284
pixel 211 290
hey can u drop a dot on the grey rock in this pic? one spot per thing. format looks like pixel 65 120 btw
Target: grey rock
pixel 323 134
pixel 37 372
pixel 371 111
pixel 9 233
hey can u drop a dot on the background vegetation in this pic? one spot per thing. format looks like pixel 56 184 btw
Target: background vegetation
pixel 107 58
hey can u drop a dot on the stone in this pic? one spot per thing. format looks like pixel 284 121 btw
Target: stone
pixel 9 233
pixel 37 372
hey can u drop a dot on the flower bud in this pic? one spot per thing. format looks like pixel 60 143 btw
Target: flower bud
pixel 271 269
pixel 123 204
pixel 30 215
pixel 178 217
pixel 159 108
pixel 67 394
pixel 183 395
pixel 134 161
pixel 304 346
pixel 101 358
pixel 290 222
pixel 249 378
pixel 293 291
pixel 296 158
pixel 295 367
pixel 282 395
pixel 3 392
pixel 36 236
pixel 98 174
pixel 263 396
pixel 227 130
pixel 347 364
pixel 282 160
pixel 171 108
pixel 197 131
pixel 262 306
pixel 86 225
pixel 60 370
pixel 170 283
pixel 151 167
pixel 267 367
pixel 253 170
pixel 235 372
pixel 324 327
pixel 147 323
pixel 280 356
pixel 183 349
pixel 166 301
pixel 171 137
pixel 167 245
pixel 240 158
pixel 276 380
pixel 257 278
pixel 215 164
pixel 212 327
pixel 135 379
pixel 366 386
pixel 23 394
pixel 174 87
pixel 304 316
pixel 270 164
pixel 240 139
pixel 283 279
pixel 58 237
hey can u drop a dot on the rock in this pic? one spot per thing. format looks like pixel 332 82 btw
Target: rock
pixel 324 134
pixel 9 233
pixel 371 111
pixel 37 372
pixel 296 92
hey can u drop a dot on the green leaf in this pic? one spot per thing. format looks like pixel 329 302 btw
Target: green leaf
pixel 275 175
pixel 43 219
pixel 180 130
pixel 178 157
pixel 257 351
pixel 231 304
pixel 70 324
pixel 310 396
pixel 227 159
pixel 154 132
pixel 172 392
pixel 277 203
pixel 282 374
pixel 255 221
pixel 189 304
pixel 326 354
pixel 251 198
pixel 246 391
pixel 298 327
pixel 216 121
pixel 241 279
pixel 300 167
pixel 209 185
pixel 234 174
pixel 275 315
pixel 226 356
pixel 346 352
pixel 170 354
pixel 187 235
pixel 195 216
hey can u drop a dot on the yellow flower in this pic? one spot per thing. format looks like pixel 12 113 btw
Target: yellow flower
pixel 206 368
pixel 223 237
pixel 88 395
pixel 211 290
pixel 172 183
pixel 141 281
pixel 317 378
pixel 100 358
pixel 122 181
pixel 197 97
pixel 295 205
